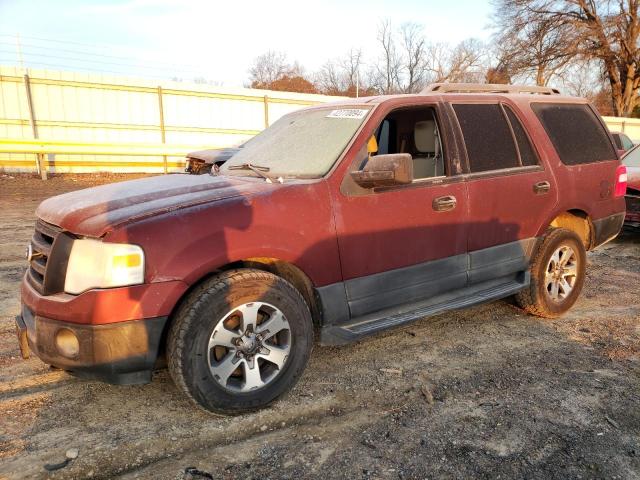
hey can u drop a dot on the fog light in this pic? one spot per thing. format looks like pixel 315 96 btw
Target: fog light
pixel 67 343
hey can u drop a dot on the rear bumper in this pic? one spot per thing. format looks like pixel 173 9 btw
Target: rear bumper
pixel 607 228
pixel 119 353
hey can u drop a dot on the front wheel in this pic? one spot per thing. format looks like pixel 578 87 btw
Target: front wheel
pixel 240 341
pixel 557 274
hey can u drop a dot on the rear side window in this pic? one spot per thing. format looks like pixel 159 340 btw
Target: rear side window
pixel 487 137
pixel 527 154
pixel 575 132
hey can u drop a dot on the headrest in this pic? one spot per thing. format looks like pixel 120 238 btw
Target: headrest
pixel 424 136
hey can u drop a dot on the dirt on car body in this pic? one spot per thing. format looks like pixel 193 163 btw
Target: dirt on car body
pixel 483 393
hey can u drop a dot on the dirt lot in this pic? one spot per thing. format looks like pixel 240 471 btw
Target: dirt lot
pixel 482 393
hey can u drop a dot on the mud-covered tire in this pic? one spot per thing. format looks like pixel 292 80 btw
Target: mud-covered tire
pixel 188 347
pixel 536 299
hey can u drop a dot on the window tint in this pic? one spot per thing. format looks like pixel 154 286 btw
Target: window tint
pixel 575 132
pixel 487 137
pixel 527 154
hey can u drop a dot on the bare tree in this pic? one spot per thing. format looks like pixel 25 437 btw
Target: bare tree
pixel 271 71
pixel 341 76
pixel 466 62
pixel 583 79
pixel 607 31
pixel 533 47
pixel 414 50
pixel 388 67
pixel 269 67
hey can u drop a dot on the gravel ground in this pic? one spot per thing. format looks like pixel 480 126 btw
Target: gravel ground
pixel 487 392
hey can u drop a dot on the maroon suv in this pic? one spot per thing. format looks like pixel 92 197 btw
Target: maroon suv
pixel 349 218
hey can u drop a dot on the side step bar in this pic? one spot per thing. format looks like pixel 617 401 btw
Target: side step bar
pixel 394 317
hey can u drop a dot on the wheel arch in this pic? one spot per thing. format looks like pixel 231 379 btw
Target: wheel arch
pixel 287 271
pixel 283 269
pixel 576 220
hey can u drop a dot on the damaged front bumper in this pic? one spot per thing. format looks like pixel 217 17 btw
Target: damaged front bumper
pixel 119 353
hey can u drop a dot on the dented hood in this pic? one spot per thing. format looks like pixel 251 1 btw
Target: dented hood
pixel 95 211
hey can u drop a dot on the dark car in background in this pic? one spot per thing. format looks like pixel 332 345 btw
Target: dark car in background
pixel 622 141
pixel 202 161
pixel 632 161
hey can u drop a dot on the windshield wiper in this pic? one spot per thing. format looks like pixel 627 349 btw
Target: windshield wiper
pixel 258 170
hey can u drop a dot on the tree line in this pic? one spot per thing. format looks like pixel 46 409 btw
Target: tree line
pixel 585 47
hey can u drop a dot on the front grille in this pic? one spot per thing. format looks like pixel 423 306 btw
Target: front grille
pixel 48 265
pixel 41 245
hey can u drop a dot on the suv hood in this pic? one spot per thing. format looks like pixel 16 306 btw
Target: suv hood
pixel 95 211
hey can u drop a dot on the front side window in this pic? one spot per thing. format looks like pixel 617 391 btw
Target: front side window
pixel 302 144
pixel 575 132
pixel 414 131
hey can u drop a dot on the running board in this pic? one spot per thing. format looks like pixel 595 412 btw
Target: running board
pixel 394 317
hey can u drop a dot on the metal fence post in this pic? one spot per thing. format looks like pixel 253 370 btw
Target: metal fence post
pixel 40 166
pixel 266 111
pixel 162 129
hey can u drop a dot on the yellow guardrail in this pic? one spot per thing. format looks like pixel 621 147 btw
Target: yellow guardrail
pixel 43 146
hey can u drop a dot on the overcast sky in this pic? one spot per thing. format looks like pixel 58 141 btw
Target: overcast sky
pixel 216 40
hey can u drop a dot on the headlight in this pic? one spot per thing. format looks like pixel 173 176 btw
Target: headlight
pixel 94 264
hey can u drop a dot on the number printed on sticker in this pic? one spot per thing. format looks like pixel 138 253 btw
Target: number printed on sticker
pixel 357 113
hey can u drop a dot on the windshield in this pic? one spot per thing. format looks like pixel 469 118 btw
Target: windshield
pixel 305 143
pixel 632 159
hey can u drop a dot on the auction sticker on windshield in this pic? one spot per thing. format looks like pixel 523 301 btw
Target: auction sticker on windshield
pixel 348 113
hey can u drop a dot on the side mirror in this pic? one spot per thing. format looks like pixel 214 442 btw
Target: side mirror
pixel 385 171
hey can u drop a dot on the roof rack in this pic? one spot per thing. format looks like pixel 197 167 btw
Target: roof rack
pixel 488 88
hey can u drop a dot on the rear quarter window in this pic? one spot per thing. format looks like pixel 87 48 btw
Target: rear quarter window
pixel 576 133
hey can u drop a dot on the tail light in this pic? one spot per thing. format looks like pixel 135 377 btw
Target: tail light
pixel 621 181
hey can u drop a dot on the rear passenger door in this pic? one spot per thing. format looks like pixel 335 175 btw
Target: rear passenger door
pixel 510 192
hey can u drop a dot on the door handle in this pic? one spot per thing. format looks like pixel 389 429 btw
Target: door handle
pixel 541 188
pixel 444 204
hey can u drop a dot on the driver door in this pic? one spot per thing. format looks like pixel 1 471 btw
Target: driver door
pixel 405 243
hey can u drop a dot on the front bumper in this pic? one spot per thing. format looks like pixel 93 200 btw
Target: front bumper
pixel 120 353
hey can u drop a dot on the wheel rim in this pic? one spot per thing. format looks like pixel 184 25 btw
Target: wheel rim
pixel 561 274
pixel 249 347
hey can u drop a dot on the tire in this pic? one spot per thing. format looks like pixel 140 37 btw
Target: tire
pixel 245 319
pixel 538 298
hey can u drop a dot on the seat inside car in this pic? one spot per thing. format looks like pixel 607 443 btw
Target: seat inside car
pixel 427 158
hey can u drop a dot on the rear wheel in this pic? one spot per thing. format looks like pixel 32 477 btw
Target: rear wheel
pixel 240 341
pixel 557 274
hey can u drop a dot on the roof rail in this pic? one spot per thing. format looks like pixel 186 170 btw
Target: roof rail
pixel 488 88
